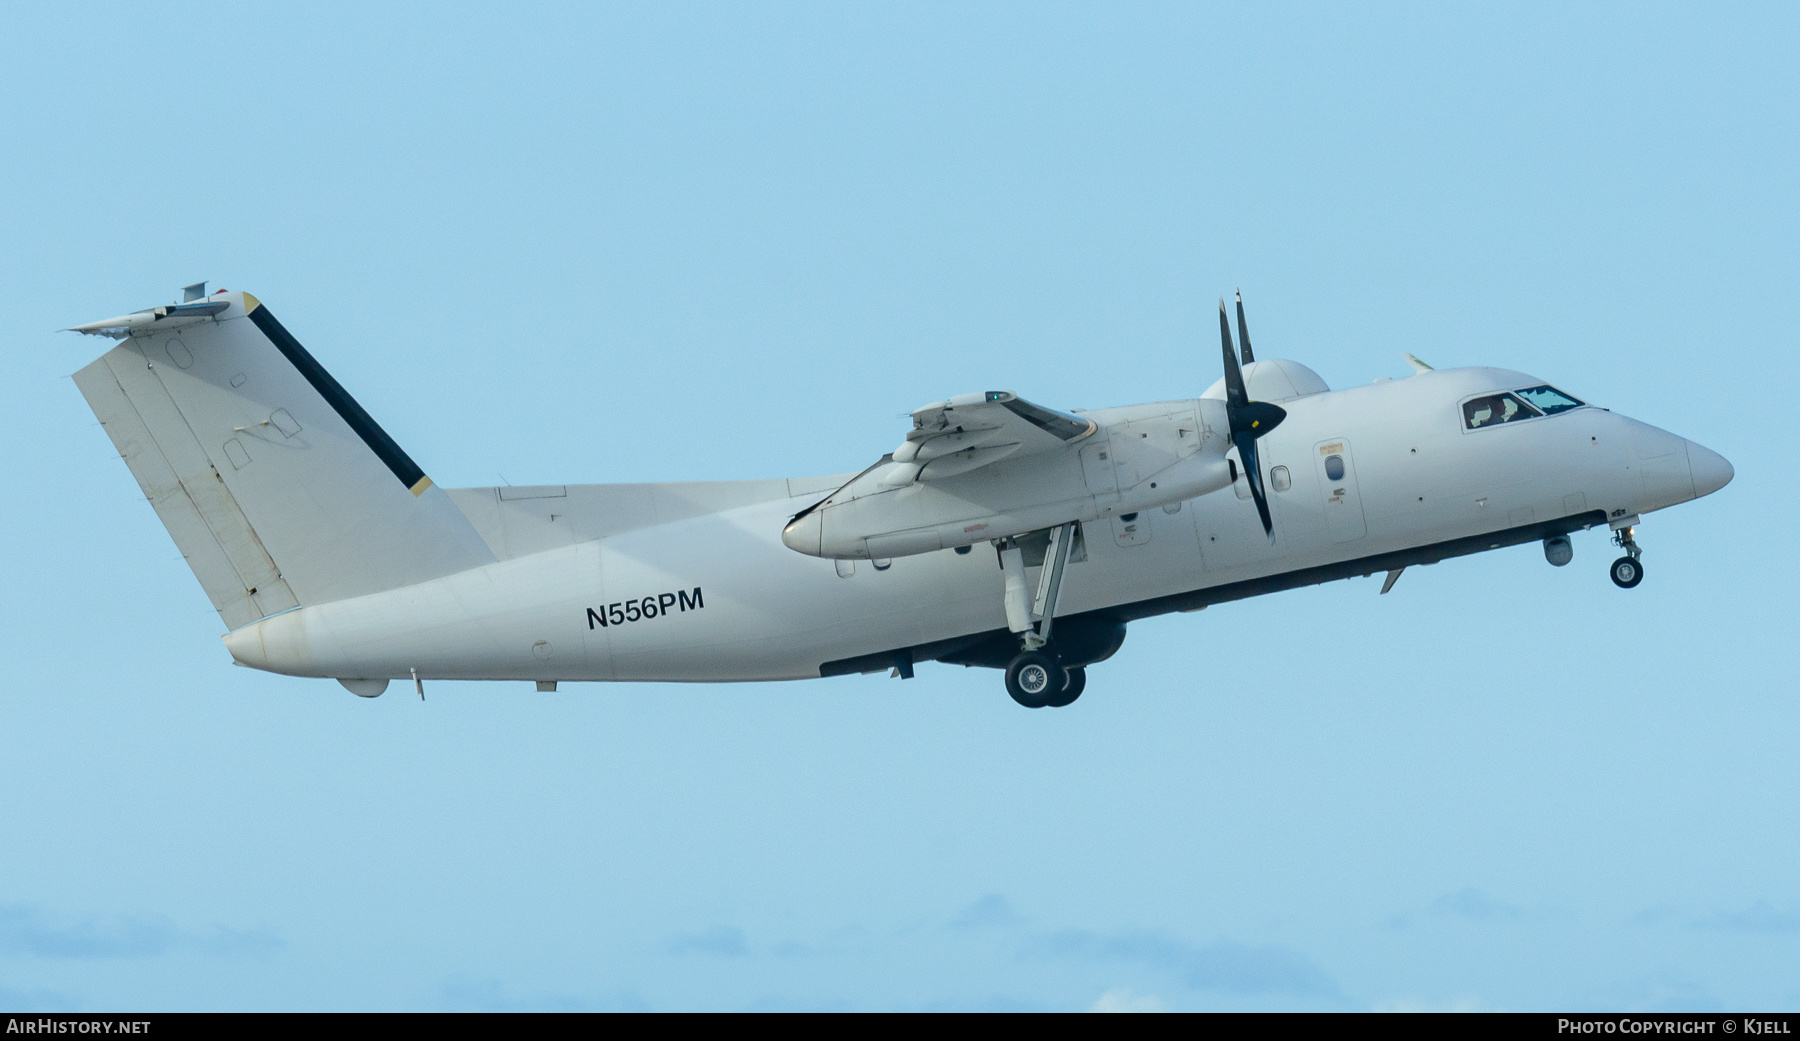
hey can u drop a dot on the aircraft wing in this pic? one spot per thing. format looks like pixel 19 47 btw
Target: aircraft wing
pixel 975 430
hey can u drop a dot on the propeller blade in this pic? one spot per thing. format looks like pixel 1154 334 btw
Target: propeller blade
pixel 1249 419
pixel 1243 333
pixel 1235 395
pixel 1246 446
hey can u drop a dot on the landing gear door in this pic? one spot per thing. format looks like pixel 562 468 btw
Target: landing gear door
pixel 1337 483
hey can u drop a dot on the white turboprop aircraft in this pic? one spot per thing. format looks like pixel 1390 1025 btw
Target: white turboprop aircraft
pixel 999 533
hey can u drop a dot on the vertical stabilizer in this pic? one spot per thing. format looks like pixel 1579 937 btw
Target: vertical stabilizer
pixel 279 489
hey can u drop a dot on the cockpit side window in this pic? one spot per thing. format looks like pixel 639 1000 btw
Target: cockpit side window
pixel 1549 400
pixel 1494 410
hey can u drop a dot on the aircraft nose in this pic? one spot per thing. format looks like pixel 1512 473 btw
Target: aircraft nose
pixel 1710 469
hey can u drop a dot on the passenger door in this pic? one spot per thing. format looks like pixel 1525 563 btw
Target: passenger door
pixel 1337 483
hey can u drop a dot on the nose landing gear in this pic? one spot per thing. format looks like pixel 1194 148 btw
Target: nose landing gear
pixel 1628 570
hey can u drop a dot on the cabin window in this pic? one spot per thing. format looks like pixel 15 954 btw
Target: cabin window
pixel 1496 409
pixel 1549 400
pixel 1334 467
pixel 1280 480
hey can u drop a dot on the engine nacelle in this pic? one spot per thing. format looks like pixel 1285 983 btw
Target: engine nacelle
pixel 1138 457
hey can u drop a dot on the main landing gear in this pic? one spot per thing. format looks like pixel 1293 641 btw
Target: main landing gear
pixel 1628 570
pixel 1036 677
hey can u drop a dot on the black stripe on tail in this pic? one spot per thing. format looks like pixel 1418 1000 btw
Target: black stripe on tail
pixel 338 398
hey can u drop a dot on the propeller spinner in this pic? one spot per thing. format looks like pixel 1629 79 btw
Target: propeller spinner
pixel 1249 419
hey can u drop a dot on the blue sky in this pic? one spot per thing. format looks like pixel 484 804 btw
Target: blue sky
pixel 581 243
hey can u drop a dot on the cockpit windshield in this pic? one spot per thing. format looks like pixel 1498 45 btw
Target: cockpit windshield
pixel 1549 400
pixel 1496 409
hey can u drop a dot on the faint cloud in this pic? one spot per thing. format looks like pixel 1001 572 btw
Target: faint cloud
pixel 781 1003
pixel 1473 903
pixel 1661 992
pixel 1222 965
pixel 1468 904
pixel 989 912
pixel 1466 1003
pixel 849 940
pixel 1121 999
pixel 1652 916
pixel 33 931
pixel 1760 917
pixel 991 1003
pixel 725 941
pixel 13 999
pixel 461 995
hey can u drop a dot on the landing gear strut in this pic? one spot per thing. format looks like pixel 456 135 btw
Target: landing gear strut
pixel 1036 677
pixel 1628 570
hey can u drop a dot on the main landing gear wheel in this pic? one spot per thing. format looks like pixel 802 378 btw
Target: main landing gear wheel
pixel 1072 688
pixel 1035 679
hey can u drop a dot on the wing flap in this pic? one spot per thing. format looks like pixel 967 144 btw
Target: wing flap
pixel 975 430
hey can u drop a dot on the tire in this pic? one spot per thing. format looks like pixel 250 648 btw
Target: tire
pixel 1072 688
pixel 1033 678
pixel 1627 572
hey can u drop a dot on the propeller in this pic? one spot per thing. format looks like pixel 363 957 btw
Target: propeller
pixel 1243 333
pixel 1249 419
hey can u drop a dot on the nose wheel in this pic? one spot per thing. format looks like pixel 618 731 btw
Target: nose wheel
pixel 1628 570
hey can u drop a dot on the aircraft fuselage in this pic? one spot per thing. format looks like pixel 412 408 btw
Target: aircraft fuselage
pixel 1363 479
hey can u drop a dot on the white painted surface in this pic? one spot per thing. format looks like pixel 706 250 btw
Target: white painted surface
pixel 771 613
pixel 354 576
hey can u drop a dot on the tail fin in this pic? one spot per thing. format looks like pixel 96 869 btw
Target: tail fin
pixel 275 484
